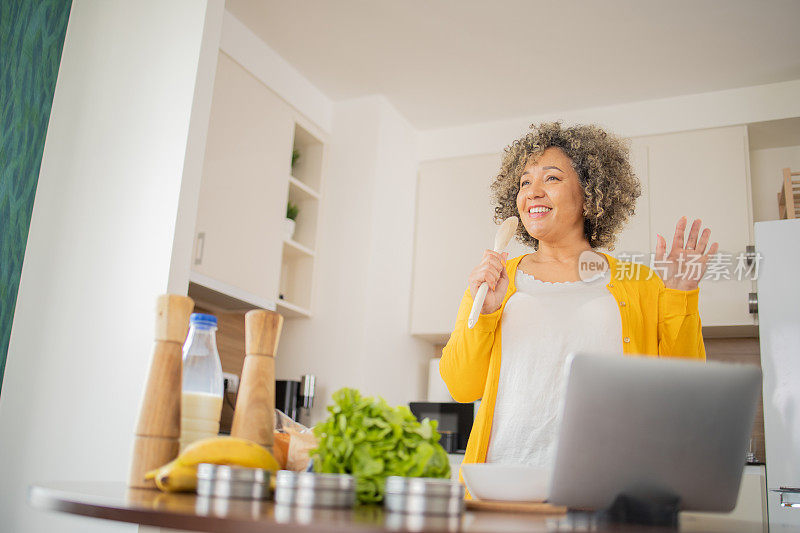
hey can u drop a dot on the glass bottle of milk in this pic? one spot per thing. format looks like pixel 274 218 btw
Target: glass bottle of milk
pixel 201 401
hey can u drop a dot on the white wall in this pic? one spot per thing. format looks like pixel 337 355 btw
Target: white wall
pixel 113 205
pixel 358 336
pixel 388 351
pixel 239 42
pixel 766 174
pixel 649 117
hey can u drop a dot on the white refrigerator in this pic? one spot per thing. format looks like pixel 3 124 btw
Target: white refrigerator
pixel 778 284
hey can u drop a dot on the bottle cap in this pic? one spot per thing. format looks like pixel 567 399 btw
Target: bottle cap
pixel 203 320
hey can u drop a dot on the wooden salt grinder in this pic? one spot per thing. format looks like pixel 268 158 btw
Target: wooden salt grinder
pixel 254 416
pixel 159 426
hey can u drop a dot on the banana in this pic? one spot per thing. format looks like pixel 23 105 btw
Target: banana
pixel 228 451
pixel 180 474
pixel 176 477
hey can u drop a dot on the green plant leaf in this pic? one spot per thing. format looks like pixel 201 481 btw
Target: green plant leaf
pixel 292 210
pixel 369 439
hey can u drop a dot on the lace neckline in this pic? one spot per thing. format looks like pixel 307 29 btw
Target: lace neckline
pixel 531 278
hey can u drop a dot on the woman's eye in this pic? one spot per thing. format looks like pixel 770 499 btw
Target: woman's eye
pixel 548 178
pixel 524 183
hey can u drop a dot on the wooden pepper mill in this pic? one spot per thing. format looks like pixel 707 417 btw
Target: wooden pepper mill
pixel 159 426
pixel 254 416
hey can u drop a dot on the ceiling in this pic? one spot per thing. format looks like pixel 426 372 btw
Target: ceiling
pixel 453 62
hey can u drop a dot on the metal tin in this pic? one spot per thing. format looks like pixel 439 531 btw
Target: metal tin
pixel 307 489
pixel 423 496
pixel 222 481
pixel 232 473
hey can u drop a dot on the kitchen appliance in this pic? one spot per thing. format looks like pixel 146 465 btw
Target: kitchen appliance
pixel 668 433
pixel 778 244
pixel 286 396
pixel 454 422
pixel 305 399
pixel 296 398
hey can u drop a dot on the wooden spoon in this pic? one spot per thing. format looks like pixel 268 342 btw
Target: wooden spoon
pixel 501 240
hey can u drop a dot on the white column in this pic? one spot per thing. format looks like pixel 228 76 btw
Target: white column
pixel 111 229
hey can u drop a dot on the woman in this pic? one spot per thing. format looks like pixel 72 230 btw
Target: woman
pixel 573 189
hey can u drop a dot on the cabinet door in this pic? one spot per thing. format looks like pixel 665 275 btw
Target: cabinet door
pixel 703 174
pixel 245 181
pixel 453 227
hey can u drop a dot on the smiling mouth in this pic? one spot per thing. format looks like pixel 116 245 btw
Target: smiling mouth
pixel 538 212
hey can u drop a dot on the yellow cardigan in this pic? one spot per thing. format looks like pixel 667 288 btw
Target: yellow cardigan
pixel 656 321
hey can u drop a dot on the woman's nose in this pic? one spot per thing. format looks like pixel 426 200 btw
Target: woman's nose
pixel 535 190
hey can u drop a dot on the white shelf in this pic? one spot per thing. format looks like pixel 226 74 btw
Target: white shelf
pixel 303 189
pixel 290 310
pixel 222 297
pixel 293 249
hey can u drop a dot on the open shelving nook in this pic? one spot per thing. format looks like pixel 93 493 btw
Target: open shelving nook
pixel 297 258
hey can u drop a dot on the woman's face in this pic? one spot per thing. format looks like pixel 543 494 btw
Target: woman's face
pixel 550 198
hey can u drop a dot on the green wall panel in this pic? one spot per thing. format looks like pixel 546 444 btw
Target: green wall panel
pixel 31 40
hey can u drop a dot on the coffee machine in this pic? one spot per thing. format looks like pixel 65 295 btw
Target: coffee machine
pixel 296 398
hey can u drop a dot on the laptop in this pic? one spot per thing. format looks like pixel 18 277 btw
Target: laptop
pixel 653 428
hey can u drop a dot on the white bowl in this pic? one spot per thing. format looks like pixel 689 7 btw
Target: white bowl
pixel 513 483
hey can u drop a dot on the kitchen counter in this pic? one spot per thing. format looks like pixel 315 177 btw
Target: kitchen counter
pixel 114 501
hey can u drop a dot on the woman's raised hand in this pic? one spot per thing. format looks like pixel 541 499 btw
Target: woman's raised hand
pixel 685 265
pixel 492 270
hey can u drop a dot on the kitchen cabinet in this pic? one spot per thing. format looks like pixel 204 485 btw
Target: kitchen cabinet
pixel 705 174
pixel 243 256
pixel 751 504
pixel 702 174
pixel 244 186
pixel 453 227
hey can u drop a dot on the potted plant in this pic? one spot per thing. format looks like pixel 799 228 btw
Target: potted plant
pixel 291 216
pixel 295 156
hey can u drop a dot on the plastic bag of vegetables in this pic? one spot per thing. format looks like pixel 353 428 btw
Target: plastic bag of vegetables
pixel 370 440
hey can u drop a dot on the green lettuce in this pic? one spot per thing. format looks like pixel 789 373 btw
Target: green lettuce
pixel 369 439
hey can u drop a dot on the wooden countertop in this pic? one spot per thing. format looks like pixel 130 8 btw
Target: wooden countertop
pixel 114 501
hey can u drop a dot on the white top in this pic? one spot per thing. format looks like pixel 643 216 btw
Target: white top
pixel 541 324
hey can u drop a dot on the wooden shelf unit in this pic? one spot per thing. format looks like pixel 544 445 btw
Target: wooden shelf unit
pixel 295 289
pixel 789 195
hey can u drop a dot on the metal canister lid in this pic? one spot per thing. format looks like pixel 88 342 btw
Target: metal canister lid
pixel 237 474
pixel 424 486
pixel 307 489
pixel 311 480
pixel 222 488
